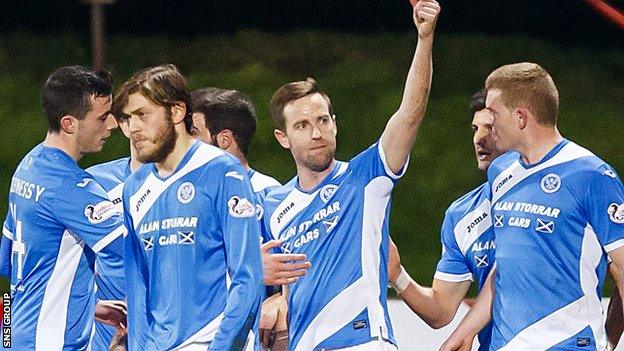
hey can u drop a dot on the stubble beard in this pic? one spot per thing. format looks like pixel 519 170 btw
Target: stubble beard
pixel 165 143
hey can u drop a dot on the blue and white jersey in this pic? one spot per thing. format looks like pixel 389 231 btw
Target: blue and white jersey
pixel 192 256
pixel 58 219
pixel 554 222
pixel 342 227
pixel 109 279
pixel 261 185
pixel 468 244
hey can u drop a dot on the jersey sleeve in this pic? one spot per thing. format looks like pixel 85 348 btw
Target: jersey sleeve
pixel 241 232
pixel 371 163
pixel 605 208
pixel 452 266
pixel 85 210
pixel 6 245
pixel 136 282
pixel 6 249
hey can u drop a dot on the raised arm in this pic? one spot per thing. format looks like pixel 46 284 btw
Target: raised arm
pixel 400 133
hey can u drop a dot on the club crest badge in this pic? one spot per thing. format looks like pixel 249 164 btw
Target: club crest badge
pixel 550 183
pixel 186 192
pixel 327 191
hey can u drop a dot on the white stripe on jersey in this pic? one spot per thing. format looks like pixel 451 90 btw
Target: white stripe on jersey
pixel 121 230
pixel 464 238
pixel 205 334
pixel 389 172
pixel 516 173
pixel 375 345
pixel 156 187
pixel 51 324
pixel 341 169
pixel 453 278
pixel 261 181
pixel 294 203
pixel 574 317
pixel 614 245
pixel 7 233
pixel 365 291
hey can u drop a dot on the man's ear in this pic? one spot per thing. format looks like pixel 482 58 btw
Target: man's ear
pixel 282 138
pixel 68 124
pixel 225 138
pixel 522 115
pixel 178 111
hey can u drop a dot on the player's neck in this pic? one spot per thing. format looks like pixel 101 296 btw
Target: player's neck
pixel 167 166
pixel 239 155
pixel 539 143
pixel 309 179
pixel 63 142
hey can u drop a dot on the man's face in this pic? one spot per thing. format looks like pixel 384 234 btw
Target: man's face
pixel 504 121
pixel 200 130
pixel 310 132
pixel 96 126
pixel 483 139
pixel 151 129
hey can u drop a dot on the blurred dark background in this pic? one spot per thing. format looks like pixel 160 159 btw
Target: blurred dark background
pixel 568 21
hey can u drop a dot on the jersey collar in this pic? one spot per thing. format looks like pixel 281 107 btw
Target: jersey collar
pixel 547 157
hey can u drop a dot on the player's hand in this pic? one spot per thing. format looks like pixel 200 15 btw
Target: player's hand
pixel 119 341
pixel 273 318
pixel 426 14
pixel 457 344
pixel 394 263
pixel 112 312
pixel 279 268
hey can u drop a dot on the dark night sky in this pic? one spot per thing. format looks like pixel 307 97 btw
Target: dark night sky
pixel 560 20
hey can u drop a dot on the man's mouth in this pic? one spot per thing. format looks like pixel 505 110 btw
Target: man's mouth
pixel 483 154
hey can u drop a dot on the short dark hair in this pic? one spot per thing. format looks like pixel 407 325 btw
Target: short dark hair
pixel 68 91
pixel 227 109
pixel 477 103
pixel 291 92
pixel 164 85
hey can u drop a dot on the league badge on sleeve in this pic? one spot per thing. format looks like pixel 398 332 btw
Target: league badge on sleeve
pixel 616 213
pixel 241 207
pixel 100 212
pixel 550 183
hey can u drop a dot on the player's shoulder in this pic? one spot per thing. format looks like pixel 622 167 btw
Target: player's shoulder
pixel 279 193
pixel 260 182
pixel 584 163
pixel 501 163
pixel 468 202
pixel 51 166
pixel 211 157
pixel 110 173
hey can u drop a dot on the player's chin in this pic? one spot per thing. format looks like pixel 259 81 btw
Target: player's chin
pixel 320 164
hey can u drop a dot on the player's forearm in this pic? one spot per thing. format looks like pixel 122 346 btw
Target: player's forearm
pixel 417 85
pixel 245 292
pixel 242 307
pixel 428 305
pixel 480 314
pixel 400 133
